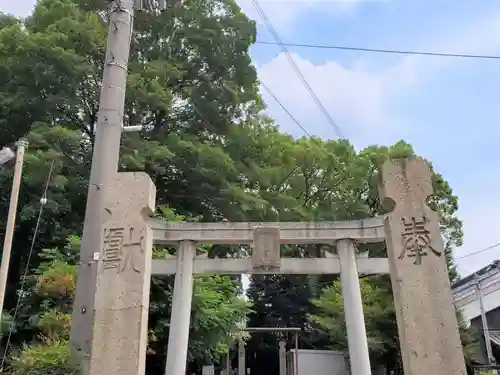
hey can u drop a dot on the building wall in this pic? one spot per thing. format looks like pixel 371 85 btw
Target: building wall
pixel 317 362
pixel 466 297
pixel 493 321
pixel 472 309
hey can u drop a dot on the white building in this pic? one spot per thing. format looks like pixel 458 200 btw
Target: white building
pixel 317 362
pixel 466 294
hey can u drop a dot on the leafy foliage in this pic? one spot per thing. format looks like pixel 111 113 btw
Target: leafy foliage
pixel 379 318
pixel 50 357
pixel 217 309
pixel 340 184
pixel 216 312
pixel 212 154
pixel 49 316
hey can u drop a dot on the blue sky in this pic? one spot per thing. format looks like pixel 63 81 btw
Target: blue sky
pixel 447 108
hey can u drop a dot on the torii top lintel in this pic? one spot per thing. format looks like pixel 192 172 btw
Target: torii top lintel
pixel 365 231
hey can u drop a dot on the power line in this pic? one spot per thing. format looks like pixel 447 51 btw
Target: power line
pixel 479 251
pixel 293 118
pixel 313 95
pixel 223 90
pixel 20 296
pixel 379 50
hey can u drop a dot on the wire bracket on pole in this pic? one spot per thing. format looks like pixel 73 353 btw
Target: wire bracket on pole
pixel 118 7
pixel 154 5
pixel 22 142
pixel 132 128
pixel 114 63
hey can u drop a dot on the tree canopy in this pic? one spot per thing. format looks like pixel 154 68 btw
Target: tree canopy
pixel 213 155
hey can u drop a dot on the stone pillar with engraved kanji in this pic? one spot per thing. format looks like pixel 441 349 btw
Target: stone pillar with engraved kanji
pixel 426 317
pixel 120 326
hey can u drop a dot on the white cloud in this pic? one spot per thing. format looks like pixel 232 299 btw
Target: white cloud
pixel 352 95
pixel 480 213
pixel 481 37
pixel 284 13
pixel 361 97
pixel 361 102
pixel 481 232
pixel 21 8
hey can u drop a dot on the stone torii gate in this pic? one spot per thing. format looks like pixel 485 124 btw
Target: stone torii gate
pixel 266 239
pixel 427 324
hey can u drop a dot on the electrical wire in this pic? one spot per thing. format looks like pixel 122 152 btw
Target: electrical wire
pixel 388 51
pixel 294 66
pixel 43 201
pixel 293 117
pixel 282 106
pixel 478 252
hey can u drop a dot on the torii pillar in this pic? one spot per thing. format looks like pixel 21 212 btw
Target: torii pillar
pixel 120 326
pixel 427 322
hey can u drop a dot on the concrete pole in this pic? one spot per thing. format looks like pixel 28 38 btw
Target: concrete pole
pixel 104 167
pixel 484 320
pixel 282 356
pixel 296 353
pixel 178 335
pixel 11 221
pixel 241 358
pixel 353 309
pixel 228 361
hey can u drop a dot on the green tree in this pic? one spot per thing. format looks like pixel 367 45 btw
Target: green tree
pixel 211 153
pixel 48 315
pixel 217 310
pixel 379 313
pixel 331 181
pixel 380 320
pixel 55 59
pixel 187 105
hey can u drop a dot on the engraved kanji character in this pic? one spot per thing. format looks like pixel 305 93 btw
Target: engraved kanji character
pixel 415 239
pixel 130 248
pixel 112 249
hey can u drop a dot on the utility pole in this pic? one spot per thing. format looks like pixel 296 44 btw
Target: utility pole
pixel 484 320
pixel 104 167
pixel 11 221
